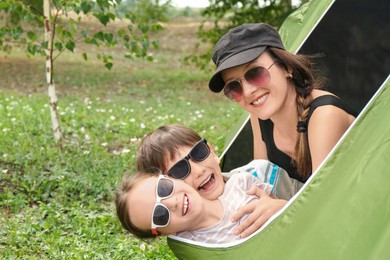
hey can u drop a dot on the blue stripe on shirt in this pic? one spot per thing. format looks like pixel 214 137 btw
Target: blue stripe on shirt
pixel 274 174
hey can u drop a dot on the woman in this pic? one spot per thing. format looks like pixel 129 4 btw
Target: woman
pixel 295 124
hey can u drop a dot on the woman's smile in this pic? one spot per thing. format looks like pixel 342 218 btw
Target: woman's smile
pixel 261 100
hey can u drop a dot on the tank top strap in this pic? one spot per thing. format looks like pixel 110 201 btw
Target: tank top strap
pixel 329 100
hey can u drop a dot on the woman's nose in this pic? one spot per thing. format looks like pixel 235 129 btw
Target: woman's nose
pixel 247 88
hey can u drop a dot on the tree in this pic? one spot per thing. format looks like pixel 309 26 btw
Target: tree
pixel 148 10
pixel 226 14
pixel 62 21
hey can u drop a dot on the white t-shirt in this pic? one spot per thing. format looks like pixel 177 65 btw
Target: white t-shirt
pixel 234 196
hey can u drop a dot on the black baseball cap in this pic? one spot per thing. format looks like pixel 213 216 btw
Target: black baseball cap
pixel 241 45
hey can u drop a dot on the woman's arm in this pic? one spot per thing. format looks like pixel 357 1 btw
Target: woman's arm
pixel 327 125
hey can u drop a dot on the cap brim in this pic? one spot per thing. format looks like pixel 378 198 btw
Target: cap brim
pixel 216 82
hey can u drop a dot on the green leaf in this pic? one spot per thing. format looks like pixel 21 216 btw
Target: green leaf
pixel 86 7
pixel 32 36
pixel 104 19
pixel 44 45
pixel 144 28
pixel 99 36
pixel 108 37
pixel 92 41
pixel 156 44
pixel 108 65
pixel 33 49
pixel 70 46
pixel 58 46
pixel 85 57
pixel 132 17
pixel 111 16
pixel 16 32
pixel 121 33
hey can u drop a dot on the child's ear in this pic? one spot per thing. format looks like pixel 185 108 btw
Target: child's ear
pixel 213 153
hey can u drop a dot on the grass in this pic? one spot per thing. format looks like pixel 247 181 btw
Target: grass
pixel 58 203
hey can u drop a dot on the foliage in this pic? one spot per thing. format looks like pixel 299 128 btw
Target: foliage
pixel 24 20
pixel 227 14
pixel 147 10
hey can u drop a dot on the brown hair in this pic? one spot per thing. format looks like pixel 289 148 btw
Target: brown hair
pixel 122 207
pixel 163 144
pixel 301 69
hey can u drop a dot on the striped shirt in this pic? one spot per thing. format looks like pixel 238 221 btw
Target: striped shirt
pixel 234 196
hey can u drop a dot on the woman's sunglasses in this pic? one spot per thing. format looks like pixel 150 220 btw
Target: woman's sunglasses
pixel 161 215
pixel 257 76
pixel 199 152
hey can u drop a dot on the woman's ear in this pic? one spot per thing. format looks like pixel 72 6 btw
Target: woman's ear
pixel 213 153
pixel 288 73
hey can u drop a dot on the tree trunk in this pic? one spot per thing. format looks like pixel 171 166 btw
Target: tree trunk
pixel 49 72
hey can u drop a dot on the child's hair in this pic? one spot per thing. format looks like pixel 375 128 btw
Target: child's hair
pixel 162 145
pixel 122 206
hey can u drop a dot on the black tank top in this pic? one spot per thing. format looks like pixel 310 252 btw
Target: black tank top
pixel 282 159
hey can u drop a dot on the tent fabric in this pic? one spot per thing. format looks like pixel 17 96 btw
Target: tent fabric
pixel 298 25
pixel 342 212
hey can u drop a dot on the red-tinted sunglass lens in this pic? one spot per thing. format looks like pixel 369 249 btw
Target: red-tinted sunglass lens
pixel 233 90
pixel 258 76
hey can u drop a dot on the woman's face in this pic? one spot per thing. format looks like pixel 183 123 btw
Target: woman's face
pixel 205 176
pixel 185 205
pixel 267 100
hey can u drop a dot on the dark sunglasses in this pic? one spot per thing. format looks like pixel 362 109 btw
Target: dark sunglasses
pixel 257 76
pixel 199 152
pixel 161 215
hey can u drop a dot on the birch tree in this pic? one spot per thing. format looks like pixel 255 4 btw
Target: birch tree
pixel 61 21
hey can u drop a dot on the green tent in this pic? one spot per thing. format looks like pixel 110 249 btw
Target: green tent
pixel 343 211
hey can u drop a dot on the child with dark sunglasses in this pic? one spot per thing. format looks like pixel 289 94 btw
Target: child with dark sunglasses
pixel 181 153
pixel 173 207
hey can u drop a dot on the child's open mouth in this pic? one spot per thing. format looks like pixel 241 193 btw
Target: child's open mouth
pixel 207 184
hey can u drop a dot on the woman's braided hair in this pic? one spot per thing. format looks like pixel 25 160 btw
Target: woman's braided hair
pixel 301 69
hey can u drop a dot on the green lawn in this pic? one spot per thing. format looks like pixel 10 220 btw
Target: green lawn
pixel 58 203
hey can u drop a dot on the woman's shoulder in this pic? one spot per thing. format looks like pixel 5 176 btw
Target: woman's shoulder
pixel 325 102
pixel 316 93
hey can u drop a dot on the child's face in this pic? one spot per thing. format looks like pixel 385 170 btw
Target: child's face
pixel 205 176
pixel 185 205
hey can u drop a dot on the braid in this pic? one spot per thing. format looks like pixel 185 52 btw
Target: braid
pixel 302 77
pixel 302 152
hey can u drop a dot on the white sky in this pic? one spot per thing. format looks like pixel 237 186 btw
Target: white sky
pixel 190 3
